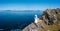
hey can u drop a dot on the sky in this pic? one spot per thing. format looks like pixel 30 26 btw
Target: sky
pixel 29 4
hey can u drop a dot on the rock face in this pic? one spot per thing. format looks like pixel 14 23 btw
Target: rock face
pixel 50 20
pixel 31 27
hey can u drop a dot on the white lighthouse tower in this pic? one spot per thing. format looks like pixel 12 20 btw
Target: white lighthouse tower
pixel 36 19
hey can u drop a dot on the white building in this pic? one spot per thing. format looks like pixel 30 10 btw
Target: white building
pixel 36 19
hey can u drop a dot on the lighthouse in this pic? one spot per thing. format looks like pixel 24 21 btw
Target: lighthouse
pixel 36 19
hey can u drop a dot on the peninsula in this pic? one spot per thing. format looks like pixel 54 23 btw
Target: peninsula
pixel 50 21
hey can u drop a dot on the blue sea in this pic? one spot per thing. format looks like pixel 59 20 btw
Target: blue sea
pixel 17 20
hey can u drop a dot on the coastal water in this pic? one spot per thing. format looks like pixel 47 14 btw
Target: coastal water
pixel 17 20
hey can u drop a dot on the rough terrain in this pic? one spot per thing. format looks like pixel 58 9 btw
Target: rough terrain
pixel 50 21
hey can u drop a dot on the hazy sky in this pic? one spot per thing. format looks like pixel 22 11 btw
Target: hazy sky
pixel 28 4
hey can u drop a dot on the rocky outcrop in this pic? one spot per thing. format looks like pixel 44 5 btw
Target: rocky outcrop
pixel 50 19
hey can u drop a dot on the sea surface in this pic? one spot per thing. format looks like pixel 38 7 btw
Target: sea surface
pixel 17 20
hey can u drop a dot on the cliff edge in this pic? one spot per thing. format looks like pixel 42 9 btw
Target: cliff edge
pixel 50 21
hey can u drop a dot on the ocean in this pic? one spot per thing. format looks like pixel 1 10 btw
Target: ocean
pixel 17 20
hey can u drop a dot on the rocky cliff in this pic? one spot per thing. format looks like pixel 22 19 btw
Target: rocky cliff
pixel 50 21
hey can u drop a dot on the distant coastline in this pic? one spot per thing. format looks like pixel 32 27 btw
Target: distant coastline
pixel 22 10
